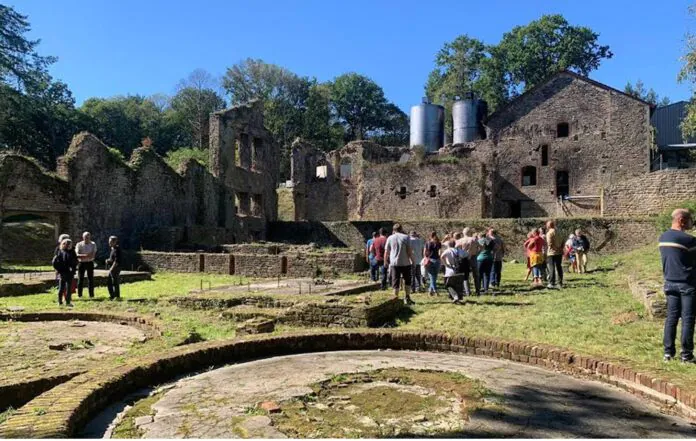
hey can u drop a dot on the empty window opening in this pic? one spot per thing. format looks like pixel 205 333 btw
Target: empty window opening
pixel 244 204
pixel 244 151
pixel 346 169
pixel 562 184
pixel 257 154
pixel 256 205
pixel 402 192
pixel 562 130
pixel 322 172
pixel 433 191
pixel 544 155
pixel 515 209
pixel 237 154
pixel 529 176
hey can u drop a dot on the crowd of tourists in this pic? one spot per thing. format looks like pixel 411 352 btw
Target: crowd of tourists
pixel 472 262
pixel 80 259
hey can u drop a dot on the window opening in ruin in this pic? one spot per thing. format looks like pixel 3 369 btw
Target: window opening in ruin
pixel 257 154
pixel 529 176
pixel 562 184
pixel 256 205
pixel 562 130
pixel 244 204
pixel 433 191
pixel 322 172
pixel 402 192
pixel 244 151
pixel 236 204
pixel 544 155
pixel 346 169
pixel 237 154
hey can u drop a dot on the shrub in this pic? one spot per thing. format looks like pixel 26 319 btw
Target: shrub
pixel 177 158
pixel 664 221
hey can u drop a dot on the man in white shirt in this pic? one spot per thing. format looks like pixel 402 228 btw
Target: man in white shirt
pixel 456 263
pixel 86 252
pixel 399 258
pixel 417 245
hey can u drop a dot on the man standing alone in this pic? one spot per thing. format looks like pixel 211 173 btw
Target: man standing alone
pixel 86 251
pixel 399 257
pixel 113 264
pixel 677 250
pixel 554 244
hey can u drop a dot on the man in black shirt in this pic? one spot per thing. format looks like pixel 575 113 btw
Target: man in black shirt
pixel 113 264
pixel 678 252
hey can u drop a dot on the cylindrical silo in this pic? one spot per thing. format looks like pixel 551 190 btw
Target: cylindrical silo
pixel 465 120
pixel 427 126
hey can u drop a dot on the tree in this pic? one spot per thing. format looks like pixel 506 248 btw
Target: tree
pixel 524 57
pixel 192 105
pixel 688 74
pixel 358 103
pixel 395 127
pixel 20 65
pixel 545 46
pixel 649 96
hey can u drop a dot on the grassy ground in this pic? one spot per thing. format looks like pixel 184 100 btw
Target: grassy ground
pixel 594 315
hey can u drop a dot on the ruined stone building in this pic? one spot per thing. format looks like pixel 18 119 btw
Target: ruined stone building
pixel 147 203
pixel 553 151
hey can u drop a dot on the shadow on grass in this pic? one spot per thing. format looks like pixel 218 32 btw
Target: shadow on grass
pixel 566 411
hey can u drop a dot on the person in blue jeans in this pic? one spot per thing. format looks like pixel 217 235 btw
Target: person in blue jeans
pixel 678 255
pixel 377 249
pixel 484 261
pixel 432 252
pixel 370 258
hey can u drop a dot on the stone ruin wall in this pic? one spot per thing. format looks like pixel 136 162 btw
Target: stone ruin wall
pixel 144 201
pixel 383 183
pixel 653 193
pixel 609 141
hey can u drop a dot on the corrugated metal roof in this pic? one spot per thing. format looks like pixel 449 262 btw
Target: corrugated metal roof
pixel 667 120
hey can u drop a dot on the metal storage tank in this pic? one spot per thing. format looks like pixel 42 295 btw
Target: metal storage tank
pixel 465 118
pixel 427 126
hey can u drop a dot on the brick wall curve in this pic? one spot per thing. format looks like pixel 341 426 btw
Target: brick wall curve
pixel 66 408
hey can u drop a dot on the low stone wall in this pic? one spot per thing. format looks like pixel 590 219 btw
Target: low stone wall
pixel 260 264
pixel 655 305
pixel 347 316
pixel 607 235
pixel 68 407
pixel 17 394
pixel 43 283
pixel 651 193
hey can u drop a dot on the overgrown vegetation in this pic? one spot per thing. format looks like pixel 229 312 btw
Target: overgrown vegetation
pixel 179 157
pixel 127 428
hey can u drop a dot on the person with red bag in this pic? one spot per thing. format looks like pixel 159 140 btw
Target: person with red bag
pixel 65 264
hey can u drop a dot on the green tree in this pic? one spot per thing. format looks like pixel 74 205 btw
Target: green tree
pixel 639 91
pixel 358 103
pixel 395 127
pixel 123 122
pixel 688 74
pixel 524 57
pixel 192 105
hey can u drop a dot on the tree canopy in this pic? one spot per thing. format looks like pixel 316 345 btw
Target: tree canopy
pixel 649 95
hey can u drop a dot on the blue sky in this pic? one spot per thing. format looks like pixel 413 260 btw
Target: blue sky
pixel 112 47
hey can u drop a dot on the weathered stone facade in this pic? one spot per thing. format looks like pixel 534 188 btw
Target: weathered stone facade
pixel 652 193
pixel 570 137
pixel 147 203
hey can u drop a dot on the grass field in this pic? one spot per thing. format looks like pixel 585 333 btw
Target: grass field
pixel 593 315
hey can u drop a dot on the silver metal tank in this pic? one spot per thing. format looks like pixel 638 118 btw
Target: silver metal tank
pixel 427 126
pixel 465 120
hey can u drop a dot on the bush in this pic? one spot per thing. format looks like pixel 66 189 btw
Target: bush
pixel 177 158
pixel 664 221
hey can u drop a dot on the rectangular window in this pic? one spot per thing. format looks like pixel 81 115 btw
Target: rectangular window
pixel 322 172
pixel 244 204
pixel 257 205
pixel 244 151
pixel 562 130
pixel 257 154
pixel 544 155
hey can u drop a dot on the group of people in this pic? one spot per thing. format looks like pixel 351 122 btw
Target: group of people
pixel 68 260
pixel 465 256
pixel 545 250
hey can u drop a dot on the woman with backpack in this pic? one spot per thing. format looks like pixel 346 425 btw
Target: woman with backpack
pixel 65 264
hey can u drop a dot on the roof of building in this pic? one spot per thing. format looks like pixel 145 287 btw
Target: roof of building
pixel 572 74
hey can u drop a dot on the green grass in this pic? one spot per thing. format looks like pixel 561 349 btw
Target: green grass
pixel 127 428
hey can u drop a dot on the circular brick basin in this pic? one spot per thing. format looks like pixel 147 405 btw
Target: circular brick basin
pixel 278 397
pixel 37 355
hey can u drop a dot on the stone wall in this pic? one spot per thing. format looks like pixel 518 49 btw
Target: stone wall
pixel 572 136
pixel 143 200
pixel 174 262
pixel 607 235
pixel 652 193
pixel 608 141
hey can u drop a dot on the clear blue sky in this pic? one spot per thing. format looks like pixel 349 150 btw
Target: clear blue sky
pixel 112 47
